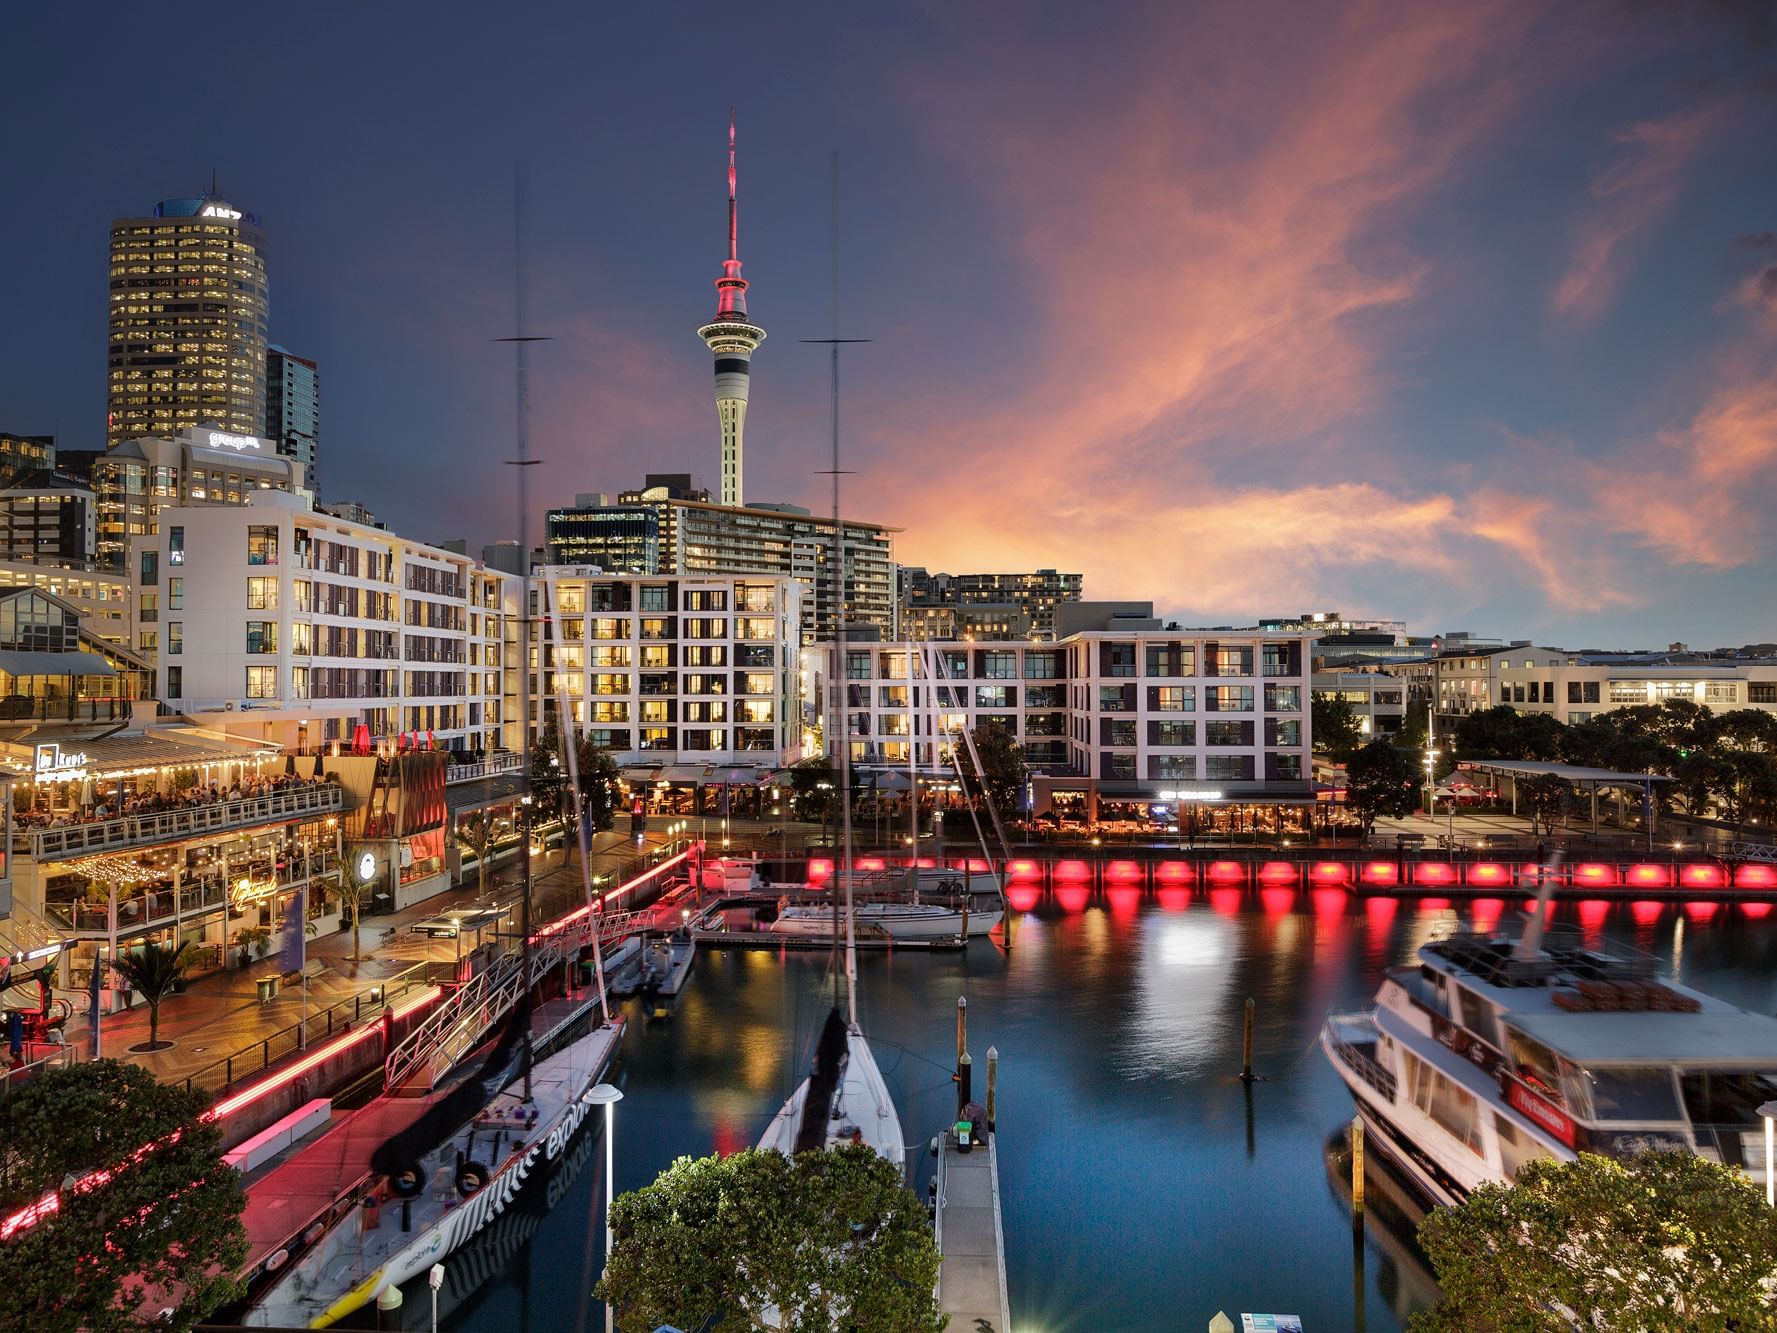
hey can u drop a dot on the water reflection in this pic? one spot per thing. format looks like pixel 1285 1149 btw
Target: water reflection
pixel 1145 1186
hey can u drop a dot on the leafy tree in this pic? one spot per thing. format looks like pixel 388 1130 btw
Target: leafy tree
pixel 1502 732
pixel 1665 1240
pixel 825 1241
pixel 162 1230
pixel 549 779
pixel 1337 731
pixel 598 784
pixel 1546 798
pixel 477 831
pixel 1001 776
pixel 153 971
pixel 814 791
pixel 1379 781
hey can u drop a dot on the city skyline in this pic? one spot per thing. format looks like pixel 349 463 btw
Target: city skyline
pixel 1468 319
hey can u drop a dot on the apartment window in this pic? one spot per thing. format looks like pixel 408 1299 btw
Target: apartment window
pixel 150 568
pixel 704 600
pixel 1172 698
pixel 1761 692
pixel 175 682
pixel 996 696
pixel 570 600
pixel 706 627
pixel 1116 731
pixel 148 641
pixel 758 682
pixel 1284 733
pixel 1171 659
pixel 1286 699
pixel 262 636
pixel 1283 767
pixel 1116 766
pixel 758 628
pixel 1719 692
pixel 716 654
pixel 1585 691
pixel 262 594
pixel 1628 691
pixel 1228 699
pixel 175 594
pixel 655 656
pixel 1042 665
pixel 1232 661
pixel 857 666
pixel 891 696
pixel 611 627
pixel 1116 698
pixel 1116 659
pixel 175 546
pixel 655 599
pixel 756 711
pixel 262 545
pixel 1227 733
pixel 301 637
pixel 617 655
pixel 1228 767
pixel 262 682
pixel 175 637
pixel 1281 659
pixel 1172 733
pixel 1172 767
pixel 999 666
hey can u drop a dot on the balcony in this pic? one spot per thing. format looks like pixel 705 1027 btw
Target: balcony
pixel 32 708
pixel 485 768
pixel 151 909
pixel 61 841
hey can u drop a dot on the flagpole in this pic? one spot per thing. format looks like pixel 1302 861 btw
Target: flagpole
pixel 302 953
pixel 94 987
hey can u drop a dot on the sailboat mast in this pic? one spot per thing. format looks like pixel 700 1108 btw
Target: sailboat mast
pixel 521 341
pixel 851 943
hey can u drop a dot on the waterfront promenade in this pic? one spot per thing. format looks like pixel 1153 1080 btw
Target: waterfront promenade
pixel 221 1015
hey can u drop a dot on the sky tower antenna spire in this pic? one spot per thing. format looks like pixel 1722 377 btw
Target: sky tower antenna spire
pixel 732 338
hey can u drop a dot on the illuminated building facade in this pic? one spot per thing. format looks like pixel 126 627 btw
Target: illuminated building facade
pixel 135 480
pixel 25 453
pixel 187 320
pixel 986 598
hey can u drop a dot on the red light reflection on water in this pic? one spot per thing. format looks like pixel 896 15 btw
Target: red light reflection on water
pixel 1646 911
pixel 1173 897
pixel 1485 912
pixel 1023 896
pixel 1700 911
pixel 1124 900
pixel 1593 911
pixel 1757 911
pixel 1073 896
pixel 1381 910
pixel 1276 901
pixel 1225 901
pixel 1329 902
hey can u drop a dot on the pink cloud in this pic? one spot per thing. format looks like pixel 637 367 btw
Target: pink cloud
pixel 1629 197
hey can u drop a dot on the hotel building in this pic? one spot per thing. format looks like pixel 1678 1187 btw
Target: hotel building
pixel 671 527
pixel 305 629
pixel 1116 724
pixel 137 479
pixel 187 319
pixel 674 675
pixel 995 600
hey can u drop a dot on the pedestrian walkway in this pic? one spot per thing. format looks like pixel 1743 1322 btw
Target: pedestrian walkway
pixel 972 1277
pixel 221 1015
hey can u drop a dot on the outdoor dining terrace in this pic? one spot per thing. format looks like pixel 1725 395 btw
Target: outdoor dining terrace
pixel 72 834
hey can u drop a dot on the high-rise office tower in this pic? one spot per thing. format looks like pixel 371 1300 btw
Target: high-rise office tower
pixel 733 338
pixel 293 408
pixel 187 321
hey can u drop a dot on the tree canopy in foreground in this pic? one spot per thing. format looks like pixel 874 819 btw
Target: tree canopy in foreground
pixel 1665 1240
pixel 828 1241
pixel 163 1230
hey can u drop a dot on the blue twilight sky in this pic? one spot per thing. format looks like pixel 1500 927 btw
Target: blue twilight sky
pixel 1465 314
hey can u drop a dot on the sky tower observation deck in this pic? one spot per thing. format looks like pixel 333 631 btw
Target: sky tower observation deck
pixel 732 338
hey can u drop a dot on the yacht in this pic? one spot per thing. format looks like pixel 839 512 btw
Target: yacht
pixel 1492 1051
pixel 898 921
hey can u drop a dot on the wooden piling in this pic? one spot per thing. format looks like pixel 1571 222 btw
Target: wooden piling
pixel 993 1078
pixel 965 1083
pixel 1357 1170
pixel 1246 1044
pixel 962 1026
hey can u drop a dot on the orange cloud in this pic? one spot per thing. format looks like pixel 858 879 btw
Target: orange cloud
pixel 1630 196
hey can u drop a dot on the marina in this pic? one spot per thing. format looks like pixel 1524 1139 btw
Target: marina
pixel 1119 1026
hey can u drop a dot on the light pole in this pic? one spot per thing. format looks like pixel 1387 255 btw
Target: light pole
pixel 1431 764
pixel 607 1096
pixel 435 1280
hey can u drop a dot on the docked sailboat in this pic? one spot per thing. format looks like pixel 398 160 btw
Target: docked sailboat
pixel 844 1099
pixel 1492 1051
pixel 897 920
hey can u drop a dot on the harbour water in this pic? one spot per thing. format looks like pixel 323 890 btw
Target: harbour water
pixel 1143 1189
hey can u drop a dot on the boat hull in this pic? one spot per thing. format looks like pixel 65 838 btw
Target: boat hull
pixel 897 921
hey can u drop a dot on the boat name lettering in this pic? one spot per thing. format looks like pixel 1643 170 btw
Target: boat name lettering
pixel 1555 1121
pixel 565 1128
pixel 492 1199
pixel 563 1176
pixel 1464 1043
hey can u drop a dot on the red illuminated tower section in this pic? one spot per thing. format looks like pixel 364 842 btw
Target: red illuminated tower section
pixel 732 339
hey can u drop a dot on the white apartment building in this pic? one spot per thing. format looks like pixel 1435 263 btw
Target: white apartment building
pixel 1378 700
pixel 671 670
pixel 1576 689
pixel 1117 724
pixel 274 622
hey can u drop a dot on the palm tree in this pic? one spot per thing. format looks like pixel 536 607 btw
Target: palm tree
pixel 153 971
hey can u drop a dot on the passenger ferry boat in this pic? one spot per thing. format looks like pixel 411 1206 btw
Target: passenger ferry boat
pixel 1493 1051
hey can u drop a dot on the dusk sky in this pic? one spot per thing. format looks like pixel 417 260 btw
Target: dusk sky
pixel 1459 313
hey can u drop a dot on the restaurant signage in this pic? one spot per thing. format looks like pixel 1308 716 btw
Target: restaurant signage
pixel 1556 1121
pixel 48 761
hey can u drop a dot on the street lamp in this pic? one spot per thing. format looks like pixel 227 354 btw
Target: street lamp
pixel 1769 1112
pixel 1431 764
pixel 605 1095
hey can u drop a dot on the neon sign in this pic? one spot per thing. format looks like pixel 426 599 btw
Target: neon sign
pixel 221 439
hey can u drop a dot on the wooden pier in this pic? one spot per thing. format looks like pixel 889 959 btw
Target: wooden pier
pixel 972 1280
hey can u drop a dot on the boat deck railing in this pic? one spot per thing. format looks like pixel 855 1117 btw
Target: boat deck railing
pixel 1341 1028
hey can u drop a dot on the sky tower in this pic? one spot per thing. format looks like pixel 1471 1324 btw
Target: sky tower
pixel 732 337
